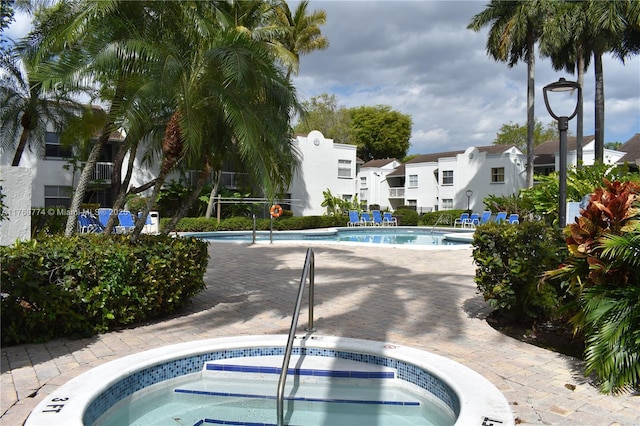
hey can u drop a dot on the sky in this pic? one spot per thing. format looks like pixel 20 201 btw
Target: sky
pixel 419 58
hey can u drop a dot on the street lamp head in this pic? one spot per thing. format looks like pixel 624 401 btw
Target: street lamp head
pixel 562 85
pixel 469 193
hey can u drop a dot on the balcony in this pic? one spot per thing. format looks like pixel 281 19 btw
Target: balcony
pixel 102 172
pixel 396 192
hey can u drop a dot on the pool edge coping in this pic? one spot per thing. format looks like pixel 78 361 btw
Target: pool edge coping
pixel 481 401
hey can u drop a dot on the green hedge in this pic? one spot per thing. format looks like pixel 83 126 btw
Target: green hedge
pixel 510 261
pixel 86 284
pixel 283 223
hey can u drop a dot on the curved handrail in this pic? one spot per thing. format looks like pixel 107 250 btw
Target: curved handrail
pixel 307 271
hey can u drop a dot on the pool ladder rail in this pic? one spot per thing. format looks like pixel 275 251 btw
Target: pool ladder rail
pixel 307 272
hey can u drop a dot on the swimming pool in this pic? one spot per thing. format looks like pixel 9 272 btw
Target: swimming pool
pixel 405 236
pixel 461 395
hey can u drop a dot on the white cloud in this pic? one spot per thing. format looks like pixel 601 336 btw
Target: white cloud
pixel 419 58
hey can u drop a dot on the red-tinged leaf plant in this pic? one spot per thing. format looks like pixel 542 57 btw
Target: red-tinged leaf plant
pixel 603 273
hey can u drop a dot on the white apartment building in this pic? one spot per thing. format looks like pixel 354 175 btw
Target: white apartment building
pixel 547 155
pixel 440 181
pixel 373 186
pixel 323 165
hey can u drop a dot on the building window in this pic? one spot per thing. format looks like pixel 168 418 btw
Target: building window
pixel 413 181
pixel 363 182
pixel 413 203
pixel 55 196
pixel 53 149
pixel 447 203
pixel 344 168
pixel 497 175
pixel 447 177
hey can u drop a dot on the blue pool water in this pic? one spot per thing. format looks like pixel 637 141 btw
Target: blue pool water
pixel 411 236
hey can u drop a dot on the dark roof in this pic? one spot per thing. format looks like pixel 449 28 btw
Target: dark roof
pixel 378 163
pixel 545 153
pixel 399 172
pixel 551 147
pixel 632 149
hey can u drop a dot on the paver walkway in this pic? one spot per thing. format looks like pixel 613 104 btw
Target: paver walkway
pixel 424 299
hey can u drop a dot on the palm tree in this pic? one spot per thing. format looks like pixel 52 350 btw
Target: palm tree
pixel 516 26
pixel 228 97
pixel 301 35
pixel 26 106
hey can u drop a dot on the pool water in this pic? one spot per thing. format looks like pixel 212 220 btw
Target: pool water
pixel 372 396
pixel 408 236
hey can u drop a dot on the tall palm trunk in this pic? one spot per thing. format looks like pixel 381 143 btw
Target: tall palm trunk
pixel 579 118
pixel 599 109
pixel 25 121
pixel 531 65
pixel 212 195
pixel 172 147
pixel 90 165
pixel 122 188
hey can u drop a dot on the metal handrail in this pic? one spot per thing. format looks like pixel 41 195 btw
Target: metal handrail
pixel 443 215
pixel 307 271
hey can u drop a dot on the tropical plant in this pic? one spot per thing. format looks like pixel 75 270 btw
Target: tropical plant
pixel 603 272
pixel 542 199
pixel 337 205
pixel 516 25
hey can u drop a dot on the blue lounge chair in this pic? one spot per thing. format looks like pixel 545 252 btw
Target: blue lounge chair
pixel 377 218
pixel 103 216
pixel 514 218
pixel 461 220
pixel 87 223
pixel 473 220
pixel 501 217
pixel 484 218
pixel 354 218
pixel 366 219
pixel 389 220
pixel 126 222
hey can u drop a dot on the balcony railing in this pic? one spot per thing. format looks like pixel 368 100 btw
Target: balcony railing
pixel 102 172
pixel 396 192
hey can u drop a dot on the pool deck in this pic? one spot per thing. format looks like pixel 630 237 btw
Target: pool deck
pixel 420 298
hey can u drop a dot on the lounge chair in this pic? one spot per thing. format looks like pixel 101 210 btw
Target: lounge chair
pixel 88 224
pixel 366 219
pixel 377 218
pixel 501 217
pixel 513 218
pixel 103 216
pixel 126 222
pixel 461 220
pixel 472 221
pixel 354 218
pixel 484 218
pixel 389 220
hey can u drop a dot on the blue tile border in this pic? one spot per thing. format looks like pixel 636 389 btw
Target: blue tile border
pixel 302 371
pixel 306 399
pixel 139 380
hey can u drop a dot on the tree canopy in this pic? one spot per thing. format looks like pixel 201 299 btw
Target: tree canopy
pixel 516 134
pixel 378 131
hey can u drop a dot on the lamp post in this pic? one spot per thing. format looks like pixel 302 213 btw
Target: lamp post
pixel 562 85
pixel 469 194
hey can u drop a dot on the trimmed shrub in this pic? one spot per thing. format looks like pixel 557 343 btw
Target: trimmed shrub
pixel 511 260
pixel 407 217
pixel 86 284
pixel 448 217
